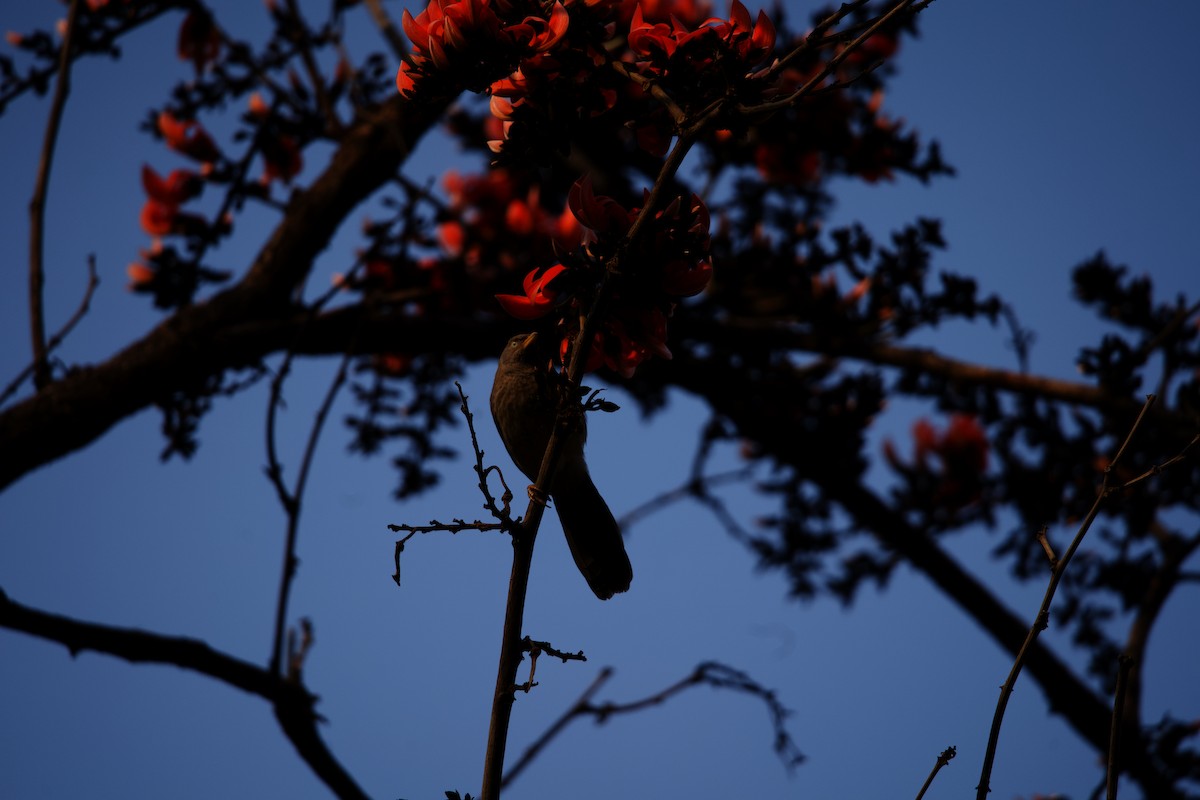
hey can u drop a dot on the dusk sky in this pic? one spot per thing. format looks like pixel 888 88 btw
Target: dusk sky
pixel 1072 127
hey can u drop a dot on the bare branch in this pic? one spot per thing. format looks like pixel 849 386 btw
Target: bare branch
pixel 942 760
pixel 1113 772
pixel 37 205
pixel 708 673
pixel 58 338
pixel 1043 615
pixel 556 728
pixel 830 65
pixel 291 500
pixel 293 704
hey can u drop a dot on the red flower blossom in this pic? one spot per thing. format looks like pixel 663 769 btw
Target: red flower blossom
pixel 538 35
pixel 139 275
pixel 448 26
pixel 751 43
pixel 258 106
pixel 282 159
pixel 188 138
pixel 178 187
pixel 199 39
pixel 964 445
pixel 602 215
pixel 445 24
pixel 632 336
pixel 161 215
pixel 646 38
pixel 961 454
pixel 163 219
pixel 684 278
pixel 539 298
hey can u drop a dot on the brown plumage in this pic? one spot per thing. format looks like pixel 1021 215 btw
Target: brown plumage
pixel 524 405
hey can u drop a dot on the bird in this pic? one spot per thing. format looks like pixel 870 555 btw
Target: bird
pixel 524 401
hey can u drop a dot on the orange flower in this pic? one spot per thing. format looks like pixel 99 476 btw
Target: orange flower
pixel 258 106
pixel 178 187
pixel 188 138
pixel 199 39
pixel 539 298
pixel 139 275
pixel 282 159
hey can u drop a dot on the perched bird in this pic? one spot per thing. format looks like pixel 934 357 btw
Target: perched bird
pixel 525 399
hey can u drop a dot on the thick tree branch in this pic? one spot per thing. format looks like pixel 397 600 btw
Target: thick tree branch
pixel 293 704
pixel 1175 552
pixel 74 411
pixel 782 335
pixel 1065 692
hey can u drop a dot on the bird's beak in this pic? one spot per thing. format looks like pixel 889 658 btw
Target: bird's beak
pixel 529 340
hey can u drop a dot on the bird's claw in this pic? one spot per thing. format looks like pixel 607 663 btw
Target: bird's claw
pixel 538 496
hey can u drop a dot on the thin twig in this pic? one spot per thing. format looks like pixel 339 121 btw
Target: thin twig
pixel 291 500
pixel 333 125
pixel 1043 615
pixel 458 525
pixel 539 744
pixel 37 205
pixel 1113 775
pixel 708 673
pixel 829 67
pixel 691 488
pixel 58 338
pixel 434 526
pixel 816 37
pixel 482 472
pixel 942 760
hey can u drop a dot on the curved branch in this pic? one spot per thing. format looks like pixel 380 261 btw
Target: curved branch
pixel 293 704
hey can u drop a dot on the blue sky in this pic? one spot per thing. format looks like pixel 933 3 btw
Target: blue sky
pixel 1072 125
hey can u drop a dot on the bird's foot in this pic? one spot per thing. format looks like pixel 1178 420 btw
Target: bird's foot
pixel 538 496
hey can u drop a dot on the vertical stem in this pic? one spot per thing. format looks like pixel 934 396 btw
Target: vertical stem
pixel 1113 776
pixel 526 532
pixel 1043 616
pixel 518 584
pixel 37 206
pixel 510 654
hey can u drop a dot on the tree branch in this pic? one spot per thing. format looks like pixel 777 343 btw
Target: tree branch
pixel 37 205
pixel 84 304
pixel 293 704
pixel 72 412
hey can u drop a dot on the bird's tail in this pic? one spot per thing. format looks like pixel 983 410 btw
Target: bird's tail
pixel 593 536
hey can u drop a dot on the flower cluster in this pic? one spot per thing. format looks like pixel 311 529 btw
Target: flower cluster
pixel 669 262
pixel 463 36
pixel 161 215
pixel 555 97
pixel 199 39
pixel 499 220
pixel 664 47
pixel 188 138
pixel 950 464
